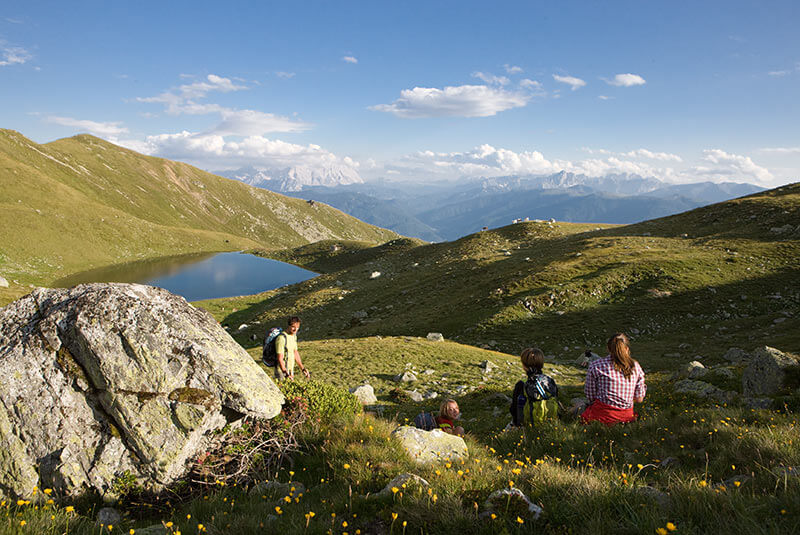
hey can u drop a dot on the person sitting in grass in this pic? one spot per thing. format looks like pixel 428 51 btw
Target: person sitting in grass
pixel 448 414
pixel 613 384
pixel 536 397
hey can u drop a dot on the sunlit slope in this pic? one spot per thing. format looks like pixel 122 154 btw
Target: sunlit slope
pixel 694 283
pixel 81 202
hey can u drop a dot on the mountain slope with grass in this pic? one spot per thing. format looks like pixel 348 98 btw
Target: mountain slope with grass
pixel 719 276
pixel 81 203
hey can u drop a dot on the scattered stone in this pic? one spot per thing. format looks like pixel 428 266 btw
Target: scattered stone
pixel 757 403
pixel 435 337
pixel 415 396
pixel 703 390
pixel 144 377
pixel 736 355
pixel 512 499
pixel 405 481
pixel 725 373
pixel 695 370
pixel 586 358
pixel 3 283
pixel 669 461
pixel 778 320
pixel 661 498
pixel 154 529
pixel 108 516
pixel 426 447
pixel 375 275
pixel 242 327
pixel 765 374
pixel 405 377
pixel 488 366
pixel 365 394
pixel 428 372
pixel 431 394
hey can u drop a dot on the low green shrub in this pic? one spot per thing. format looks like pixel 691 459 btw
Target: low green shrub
pixel 323 400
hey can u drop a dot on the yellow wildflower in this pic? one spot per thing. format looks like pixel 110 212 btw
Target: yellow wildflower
pixel 671 526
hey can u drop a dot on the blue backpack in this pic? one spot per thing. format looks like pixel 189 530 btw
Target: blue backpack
pixel 269 356
pixel 425 421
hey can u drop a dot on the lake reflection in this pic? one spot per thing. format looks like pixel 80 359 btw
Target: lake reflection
pixel 200 276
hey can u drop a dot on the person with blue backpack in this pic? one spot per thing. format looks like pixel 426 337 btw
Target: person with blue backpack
pixel 280 350
pixel 534 400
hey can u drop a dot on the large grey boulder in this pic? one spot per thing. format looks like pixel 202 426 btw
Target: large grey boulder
pixel 426 447
pixel 703 390
pixel 104 380
pixel 766 372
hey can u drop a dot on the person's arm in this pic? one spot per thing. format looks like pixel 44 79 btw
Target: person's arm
pixel 280 349
pixel 300 363
pixel 640 389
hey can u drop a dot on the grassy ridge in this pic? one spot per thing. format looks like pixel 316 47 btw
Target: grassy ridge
pixel 695 284
pixel 81 203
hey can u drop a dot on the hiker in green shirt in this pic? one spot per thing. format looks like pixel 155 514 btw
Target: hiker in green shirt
pixel 286 348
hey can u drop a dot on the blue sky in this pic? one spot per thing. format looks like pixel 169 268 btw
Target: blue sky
pixel 684 91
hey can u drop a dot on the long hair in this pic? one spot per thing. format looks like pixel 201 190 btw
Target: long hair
pixel 620 351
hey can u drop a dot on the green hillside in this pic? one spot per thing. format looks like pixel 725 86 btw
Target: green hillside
pixel 695 284
pixel 81 203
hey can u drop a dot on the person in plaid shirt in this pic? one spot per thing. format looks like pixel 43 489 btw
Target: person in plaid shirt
pixel 614 384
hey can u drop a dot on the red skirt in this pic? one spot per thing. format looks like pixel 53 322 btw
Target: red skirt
pixel 607 414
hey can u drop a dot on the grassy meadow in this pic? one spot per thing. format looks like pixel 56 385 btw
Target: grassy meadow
pixel 686 287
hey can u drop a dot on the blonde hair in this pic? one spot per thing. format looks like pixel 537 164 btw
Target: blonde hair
pixel 532 359
pixel 620 350
pixel 444 409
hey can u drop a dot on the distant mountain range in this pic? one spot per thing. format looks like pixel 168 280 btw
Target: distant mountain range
pixel 446 211
pixel 296 178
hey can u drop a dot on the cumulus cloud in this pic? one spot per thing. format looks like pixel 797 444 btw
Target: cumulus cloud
pixel 663 156
pixel 13 55
pixel 457 101
pixel 100 129
pixel 574 83
pixel 254 123
pixel 733 166
pixel 626 80
pixel 184 100
pixel 213 151
pixel 350 59
pixel 284 74
pixel 512 69
pixel 778 73
pixel 491 79
pixel 527 83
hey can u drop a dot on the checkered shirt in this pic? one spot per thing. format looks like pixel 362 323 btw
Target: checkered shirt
pixel 605 384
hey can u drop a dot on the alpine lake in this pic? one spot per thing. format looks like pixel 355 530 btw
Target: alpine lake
pixel 199 276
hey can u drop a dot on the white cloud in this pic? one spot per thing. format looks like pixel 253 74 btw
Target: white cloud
pixel 644 153
pixel 778 73
pixel 255 123
pixel 350 59
pixel 781 150
pixel 284 74
pixel 604 97
pixel 213 151
pixel 491 79
pixel 13 55
pixel 734 166
pixel 212 83
pixel 512 69
pixel 530 84
pixel 626 80
pixel 574 83
pixel 458 101
pixel 182 99
pixel 106 130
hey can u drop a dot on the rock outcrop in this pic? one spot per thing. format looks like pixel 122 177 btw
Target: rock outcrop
pixel 430 446
pixel 109 380
pixel 766 372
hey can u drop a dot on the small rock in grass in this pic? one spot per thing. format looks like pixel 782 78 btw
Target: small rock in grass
pixel 429 372
pixel 757 403
pixel 695 370
pixel 736 355
pixel 766 373
pixel 513 500
pixel 669 461
pixel 3 283
pixel 406 481
pixel 375 275
pixel 661 498
pixel 488 366
pixel 415 396
pixel 431 394
pixel 405 377
pixel 365 394
pixel 435 337
pixel 242 327
pixel 108 516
